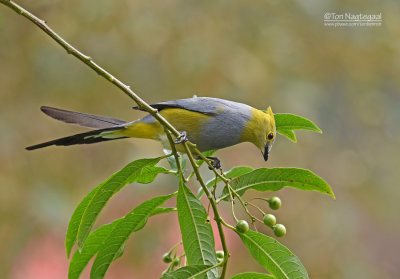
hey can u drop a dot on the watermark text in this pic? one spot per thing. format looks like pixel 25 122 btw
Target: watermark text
pixel 332 19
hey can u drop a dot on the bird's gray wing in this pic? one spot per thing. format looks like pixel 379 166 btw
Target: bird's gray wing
pixel 205 105
pixel 82 119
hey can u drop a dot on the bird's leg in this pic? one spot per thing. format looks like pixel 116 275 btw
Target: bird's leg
pixel 181 138
pixel 215 162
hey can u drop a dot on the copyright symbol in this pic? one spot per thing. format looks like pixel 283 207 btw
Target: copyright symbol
pixel 327 15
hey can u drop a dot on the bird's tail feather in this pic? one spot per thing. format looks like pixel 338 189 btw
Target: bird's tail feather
pixel 82 119
pixel 82 138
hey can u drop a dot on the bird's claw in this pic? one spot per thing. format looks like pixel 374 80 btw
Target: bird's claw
pixel 215 163
pixel 181 138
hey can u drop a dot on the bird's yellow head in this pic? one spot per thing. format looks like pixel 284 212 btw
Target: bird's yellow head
pixel 270 133
pixel 260 130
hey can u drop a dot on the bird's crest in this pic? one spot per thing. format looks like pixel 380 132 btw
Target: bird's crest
pixel 271 115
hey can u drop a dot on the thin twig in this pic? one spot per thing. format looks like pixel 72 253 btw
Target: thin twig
pixel 257 207
pixel 232 204
pixel 205 159
pixel 175 153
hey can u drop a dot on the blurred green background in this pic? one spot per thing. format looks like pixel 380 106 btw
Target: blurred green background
pixel 262 53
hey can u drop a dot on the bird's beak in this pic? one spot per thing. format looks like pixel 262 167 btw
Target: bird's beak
pixel 266 151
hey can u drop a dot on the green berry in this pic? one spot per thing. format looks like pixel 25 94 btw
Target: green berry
pixel 274 203
pixel 242 226
pixel 269 220
pixel 279 230
pixel 220 254
pixel 167 258
pixel 175 262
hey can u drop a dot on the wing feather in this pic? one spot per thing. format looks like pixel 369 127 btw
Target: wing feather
pixel 82 119
pixel 204 105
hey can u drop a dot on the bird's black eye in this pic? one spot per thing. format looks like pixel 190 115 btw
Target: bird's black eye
pixel 270 136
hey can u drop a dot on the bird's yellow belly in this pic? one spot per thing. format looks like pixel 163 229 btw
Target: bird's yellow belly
pixel 183 120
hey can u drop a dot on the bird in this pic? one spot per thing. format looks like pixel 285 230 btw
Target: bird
pixel 210 123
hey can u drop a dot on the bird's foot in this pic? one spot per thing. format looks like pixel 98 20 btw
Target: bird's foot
pixel 215 162
pixel 181 138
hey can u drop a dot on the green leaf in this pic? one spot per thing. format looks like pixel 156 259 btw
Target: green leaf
pixel 232 173
pixel 274 179
pixel 133 221
pixel 90 248
pixel 94 241
pixel 209 152
pixel 185 272
pixel 142 171
pixel 171 160
pixel 162 210
pixel 273 256
pixel 197 234
pixel 288 133
pixel 286 123
pixel 253 275
pixel 75 221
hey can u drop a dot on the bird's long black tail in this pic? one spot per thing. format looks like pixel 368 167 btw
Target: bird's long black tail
pixel 104 125
pixel 82 138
